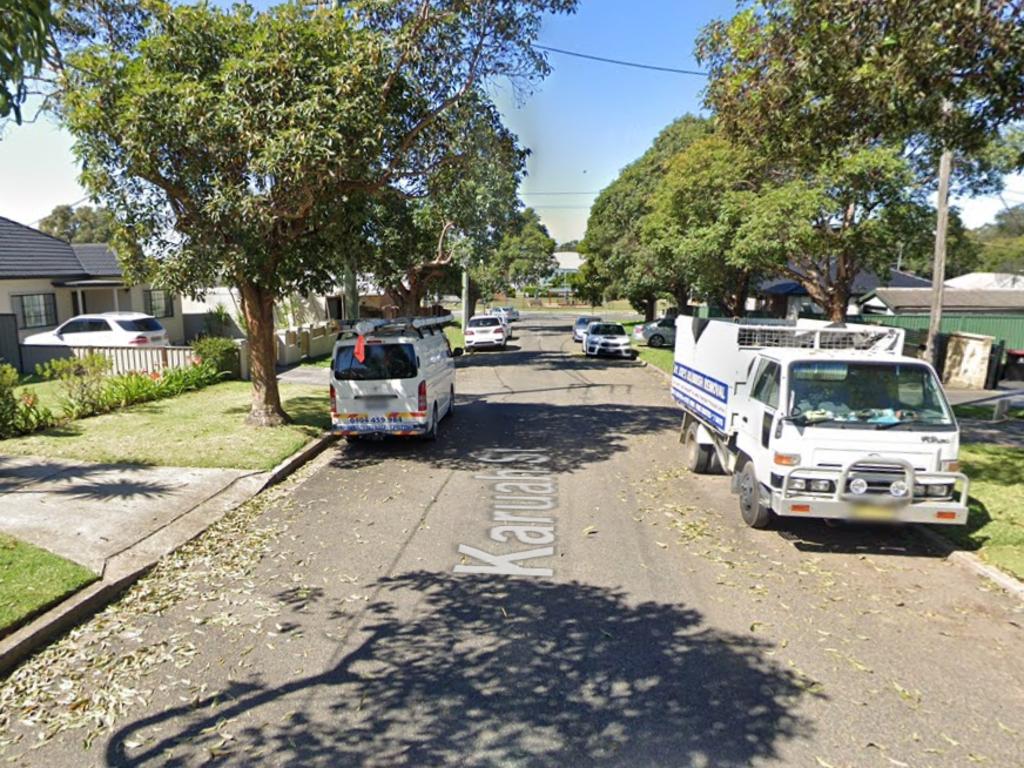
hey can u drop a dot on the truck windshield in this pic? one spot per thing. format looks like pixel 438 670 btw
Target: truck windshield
pixel 381 361
pixel 884 395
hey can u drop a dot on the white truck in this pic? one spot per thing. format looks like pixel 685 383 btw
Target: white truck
pixel 818 420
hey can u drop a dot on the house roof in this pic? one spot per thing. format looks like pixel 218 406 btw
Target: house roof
pixel 953 299
pixel 980 280
pixel 27 252
pixel 97 258
pixel 864 282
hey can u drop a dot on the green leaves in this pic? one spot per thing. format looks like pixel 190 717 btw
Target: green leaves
pixel 24 36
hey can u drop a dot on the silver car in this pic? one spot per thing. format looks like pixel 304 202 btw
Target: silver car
pixel 580 326
pixel 658 333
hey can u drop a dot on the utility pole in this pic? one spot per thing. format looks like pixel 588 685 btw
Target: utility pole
pixel 939 268
pixel 465 299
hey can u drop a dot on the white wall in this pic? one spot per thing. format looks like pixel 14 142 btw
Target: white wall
pixel 9 288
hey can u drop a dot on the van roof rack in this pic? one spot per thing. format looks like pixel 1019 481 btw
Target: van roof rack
pixel 817 334
pixel 348 328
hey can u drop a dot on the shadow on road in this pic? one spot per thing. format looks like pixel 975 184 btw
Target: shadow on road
pixel 500 672
pixel 572 436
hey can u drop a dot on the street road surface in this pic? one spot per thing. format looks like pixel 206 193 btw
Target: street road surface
pixel 644 625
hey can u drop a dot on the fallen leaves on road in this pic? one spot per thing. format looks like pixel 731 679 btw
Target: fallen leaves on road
pixel 96 673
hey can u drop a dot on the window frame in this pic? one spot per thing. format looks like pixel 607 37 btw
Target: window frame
pixel 147 302
pixel 763 369
pixel 49 306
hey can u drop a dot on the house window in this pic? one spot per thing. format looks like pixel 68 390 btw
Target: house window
pixel 36 310
pixel 159 303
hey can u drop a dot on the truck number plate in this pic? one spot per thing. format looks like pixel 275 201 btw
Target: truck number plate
pixel 869 512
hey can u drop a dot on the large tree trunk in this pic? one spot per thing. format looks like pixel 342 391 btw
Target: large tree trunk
pixel 258 307
pixel 681 295
pixel 650 306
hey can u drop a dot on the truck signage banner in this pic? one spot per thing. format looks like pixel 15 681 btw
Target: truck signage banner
pixel 700 394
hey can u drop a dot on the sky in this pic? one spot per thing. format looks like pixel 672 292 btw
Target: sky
pixel 582 124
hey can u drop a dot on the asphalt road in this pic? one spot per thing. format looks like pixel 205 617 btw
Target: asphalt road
pixel 545 586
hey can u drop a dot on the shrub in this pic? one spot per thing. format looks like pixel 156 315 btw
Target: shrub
pixel 220 352
pixel 83 380
pixel 19 414
pixel 130 388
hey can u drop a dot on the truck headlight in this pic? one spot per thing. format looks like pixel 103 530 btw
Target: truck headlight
pixel 898 488
pixel 859 486
pixel 821 486
pixel 797 484
pixel 939 490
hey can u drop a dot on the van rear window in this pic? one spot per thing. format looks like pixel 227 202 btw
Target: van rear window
pixel 381 361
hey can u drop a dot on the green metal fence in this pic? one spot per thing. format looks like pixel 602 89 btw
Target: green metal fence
pixel 1006 328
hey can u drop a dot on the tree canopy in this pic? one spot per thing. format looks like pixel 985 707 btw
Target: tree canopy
pixel 83 224
pixel 243 147
pixel 24 37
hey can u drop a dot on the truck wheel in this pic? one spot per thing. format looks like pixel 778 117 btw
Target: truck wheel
pixel 657 340
pixel 698 457
pixel 754 513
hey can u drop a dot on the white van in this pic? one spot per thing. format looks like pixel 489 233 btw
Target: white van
pixel 392 377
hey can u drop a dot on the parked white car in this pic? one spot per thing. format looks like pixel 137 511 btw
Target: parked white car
pixel 608 339
pixel 392 377
pixel 511 313
pixel 110 329
pixel 486 331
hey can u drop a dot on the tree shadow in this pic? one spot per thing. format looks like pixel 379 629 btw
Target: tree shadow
pixel 488 671
pixel 19 474
pixel 571 436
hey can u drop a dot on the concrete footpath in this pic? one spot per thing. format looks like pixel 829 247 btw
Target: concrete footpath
pixel 89 513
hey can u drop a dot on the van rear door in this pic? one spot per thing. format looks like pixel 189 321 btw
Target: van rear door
pixel 379 393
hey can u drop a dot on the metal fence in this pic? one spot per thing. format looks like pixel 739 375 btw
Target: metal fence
pixel 10 352
pixel 1006 328
pixel 122 359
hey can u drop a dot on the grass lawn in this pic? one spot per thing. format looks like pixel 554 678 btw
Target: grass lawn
pixel 316 362
pixel 48 392
pixel 32 579
pixel 984 412
pixel 661 357
pixel 995 529
pixel 454 334
pixel 197 429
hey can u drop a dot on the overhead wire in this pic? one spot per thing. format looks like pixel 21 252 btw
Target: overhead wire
pixel 621 62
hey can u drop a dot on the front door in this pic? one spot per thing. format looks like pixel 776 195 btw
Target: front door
pixel 759 419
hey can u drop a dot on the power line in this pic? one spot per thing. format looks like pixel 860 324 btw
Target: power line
pixel 621 62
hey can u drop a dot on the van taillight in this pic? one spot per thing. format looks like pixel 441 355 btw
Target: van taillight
pixel 334 403
pixel 423 396
pixel 139 340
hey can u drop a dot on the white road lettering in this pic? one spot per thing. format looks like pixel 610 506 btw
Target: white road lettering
pixel 518 491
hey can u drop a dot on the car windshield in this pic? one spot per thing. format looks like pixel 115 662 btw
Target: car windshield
pixel 484 322
pixel 608 329
pixel 583 322
pixel 140 324
pixel 380 361
pixel 856 393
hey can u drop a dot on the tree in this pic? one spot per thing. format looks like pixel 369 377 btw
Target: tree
pixel 698 208
pixel 24 36
pixel 811 81
pixel 524 255
pixel 84 224
pixel 568 245
pixel 821 230
pixel 242 147
pixel 613 241
pixel 1001 243
pixel 589 284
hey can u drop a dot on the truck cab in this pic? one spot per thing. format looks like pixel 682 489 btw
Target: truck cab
pixel 820 421
pixel 392 377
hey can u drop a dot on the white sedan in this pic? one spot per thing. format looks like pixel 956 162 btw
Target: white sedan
pixel 110 329
pixel 608 339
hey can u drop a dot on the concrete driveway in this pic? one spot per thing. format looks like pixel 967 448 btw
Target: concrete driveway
pixel 90 512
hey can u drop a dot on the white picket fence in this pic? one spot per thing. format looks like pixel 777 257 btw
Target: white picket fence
pixel 148 360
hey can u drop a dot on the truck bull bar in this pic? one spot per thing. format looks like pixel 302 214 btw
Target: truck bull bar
pixel 841 503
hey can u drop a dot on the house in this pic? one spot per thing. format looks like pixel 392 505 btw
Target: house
pixel 993 301
pixel 785 297
pixel 44 281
